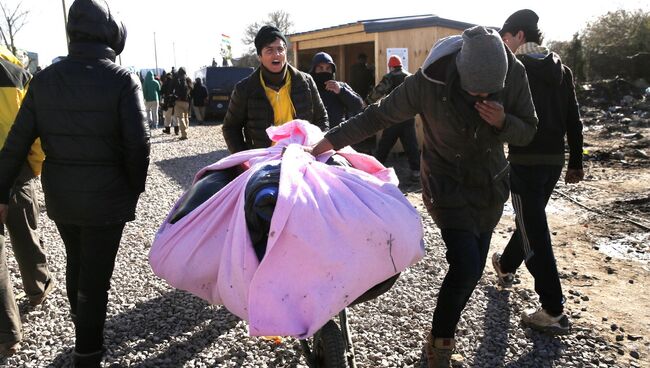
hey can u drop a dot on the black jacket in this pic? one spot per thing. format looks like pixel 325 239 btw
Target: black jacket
pixel 250 113
pixel 341 106
pixel 89 114
pixel 199 94
pixel 553 91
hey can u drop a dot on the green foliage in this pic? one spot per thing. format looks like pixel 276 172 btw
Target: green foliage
pixel 604 48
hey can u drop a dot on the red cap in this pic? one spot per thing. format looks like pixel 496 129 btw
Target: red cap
pixel 394 61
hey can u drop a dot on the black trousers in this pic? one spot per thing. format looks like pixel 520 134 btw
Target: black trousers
pixel 531 188
pixel 405 132
pixel 466 255
pixel 90 252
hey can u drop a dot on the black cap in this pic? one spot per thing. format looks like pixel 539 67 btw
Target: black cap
pixel 521 19
pixel 266 35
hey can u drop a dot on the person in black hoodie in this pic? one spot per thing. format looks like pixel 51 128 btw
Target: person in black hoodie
pixel 340 101
pixel 536 168
pixel 181 90
pixel 89 114
pixel 199 96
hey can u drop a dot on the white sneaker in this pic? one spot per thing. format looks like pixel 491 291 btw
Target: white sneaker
pixel 505 278
pixel 541 321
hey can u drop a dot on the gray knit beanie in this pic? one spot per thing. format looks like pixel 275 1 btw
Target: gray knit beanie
pixel 482 62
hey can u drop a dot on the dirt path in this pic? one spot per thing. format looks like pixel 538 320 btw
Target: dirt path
pixel 601 234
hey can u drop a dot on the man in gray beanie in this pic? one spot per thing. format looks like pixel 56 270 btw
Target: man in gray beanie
pixel 473 96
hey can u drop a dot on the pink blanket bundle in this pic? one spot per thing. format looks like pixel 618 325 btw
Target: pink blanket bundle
pixel 335 233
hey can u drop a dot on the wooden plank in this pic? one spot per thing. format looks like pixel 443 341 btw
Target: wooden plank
pixel 336 41
pixel 325 33
pixel 418 41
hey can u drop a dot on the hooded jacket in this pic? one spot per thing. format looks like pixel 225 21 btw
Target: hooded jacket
pixel 250 112
pixel 199 94
pixel 553 91
pixel 89 114
pixel 14 81
pixel 151 88
pixel 464 169
pixel 341 106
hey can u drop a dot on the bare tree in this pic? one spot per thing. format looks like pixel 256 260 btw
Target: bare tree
pixel 279 19
pixel 13 21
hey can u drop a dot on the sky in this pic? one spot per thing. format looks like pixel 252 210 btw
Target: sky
pixel 188 32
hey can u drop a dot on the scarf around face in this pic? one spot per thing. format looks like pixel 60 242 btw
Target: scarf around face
pixel 274 80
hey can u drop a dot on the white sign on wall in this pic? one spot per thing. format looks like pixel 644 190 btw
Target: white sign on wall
pixel 402 53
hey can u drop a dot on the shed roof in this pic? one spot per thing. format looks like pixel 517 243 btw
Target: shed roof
pixel 399 23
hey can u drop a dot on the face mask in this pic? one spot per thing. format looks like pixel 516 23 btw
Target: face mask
pixel 321 78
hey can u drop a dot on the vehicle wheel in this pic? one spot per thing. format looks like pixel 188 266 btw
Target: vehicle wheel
pixel 329 346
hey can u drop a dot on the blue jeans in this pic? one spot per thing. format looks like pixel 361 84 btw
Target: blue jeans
pixel 466 255
pixel 531 188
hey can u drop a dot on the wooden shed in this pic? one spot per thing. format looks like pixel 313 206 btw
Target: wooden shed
pixel 409 37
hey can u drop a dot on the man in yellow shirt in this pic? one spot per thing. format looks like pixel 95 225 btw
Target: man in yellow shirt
pixel 275 93
pixel 22 217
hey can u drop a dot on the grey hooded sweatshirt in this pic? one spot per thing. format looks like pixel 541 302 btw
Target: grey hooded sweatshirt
pixel 464 169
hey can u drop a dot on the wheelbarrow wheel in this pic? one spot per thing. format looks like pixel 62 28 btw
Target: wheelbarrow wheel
pixel 329 346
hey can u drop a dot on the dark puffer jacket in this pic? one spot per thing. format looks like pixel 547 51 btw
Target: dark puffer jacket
pixel 89 114
pixel 250 113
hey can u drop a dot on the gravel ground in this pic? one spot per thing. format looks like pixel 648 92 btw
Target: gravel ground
pixel 153 325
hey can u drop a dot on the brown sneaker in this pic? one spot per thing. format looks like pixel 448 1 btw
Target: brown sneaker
pixel 439 353
pixel 8 349
pixel 38 299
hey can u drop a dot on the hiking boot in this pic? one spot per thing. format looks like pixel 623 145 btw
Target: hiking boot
pixel 183 137
pixel 505 278
pixel 166 130
pixel 38 299
pixel 541 321
pixel 176 130
pixel 8 349
pixel 439 353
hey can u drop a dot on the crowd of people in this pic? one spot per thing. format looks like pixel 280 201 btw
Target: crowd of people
pixel 89 140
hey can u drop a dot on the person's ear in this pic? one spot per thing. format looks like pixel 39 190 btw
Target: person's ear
pixel 521 37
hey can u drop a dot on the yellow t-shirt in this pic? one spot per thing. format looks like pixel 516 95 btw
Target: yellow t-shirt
pixel 283 110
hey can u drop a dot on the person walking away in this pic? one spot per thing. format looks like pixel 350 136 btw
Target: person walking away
pixel 536 168
pixel 168 104
pixel 23 213
pixel 472 95
pixel 181 90
pixel 96 142
pixel 274 94
pixel 151 91
pixel 404 131
pixel 340 101
pixel 199 100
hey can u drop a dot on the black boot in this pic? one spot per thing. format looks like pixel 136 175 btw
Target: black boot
pixel 176 130
pixel 92 360
pixel 166 130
